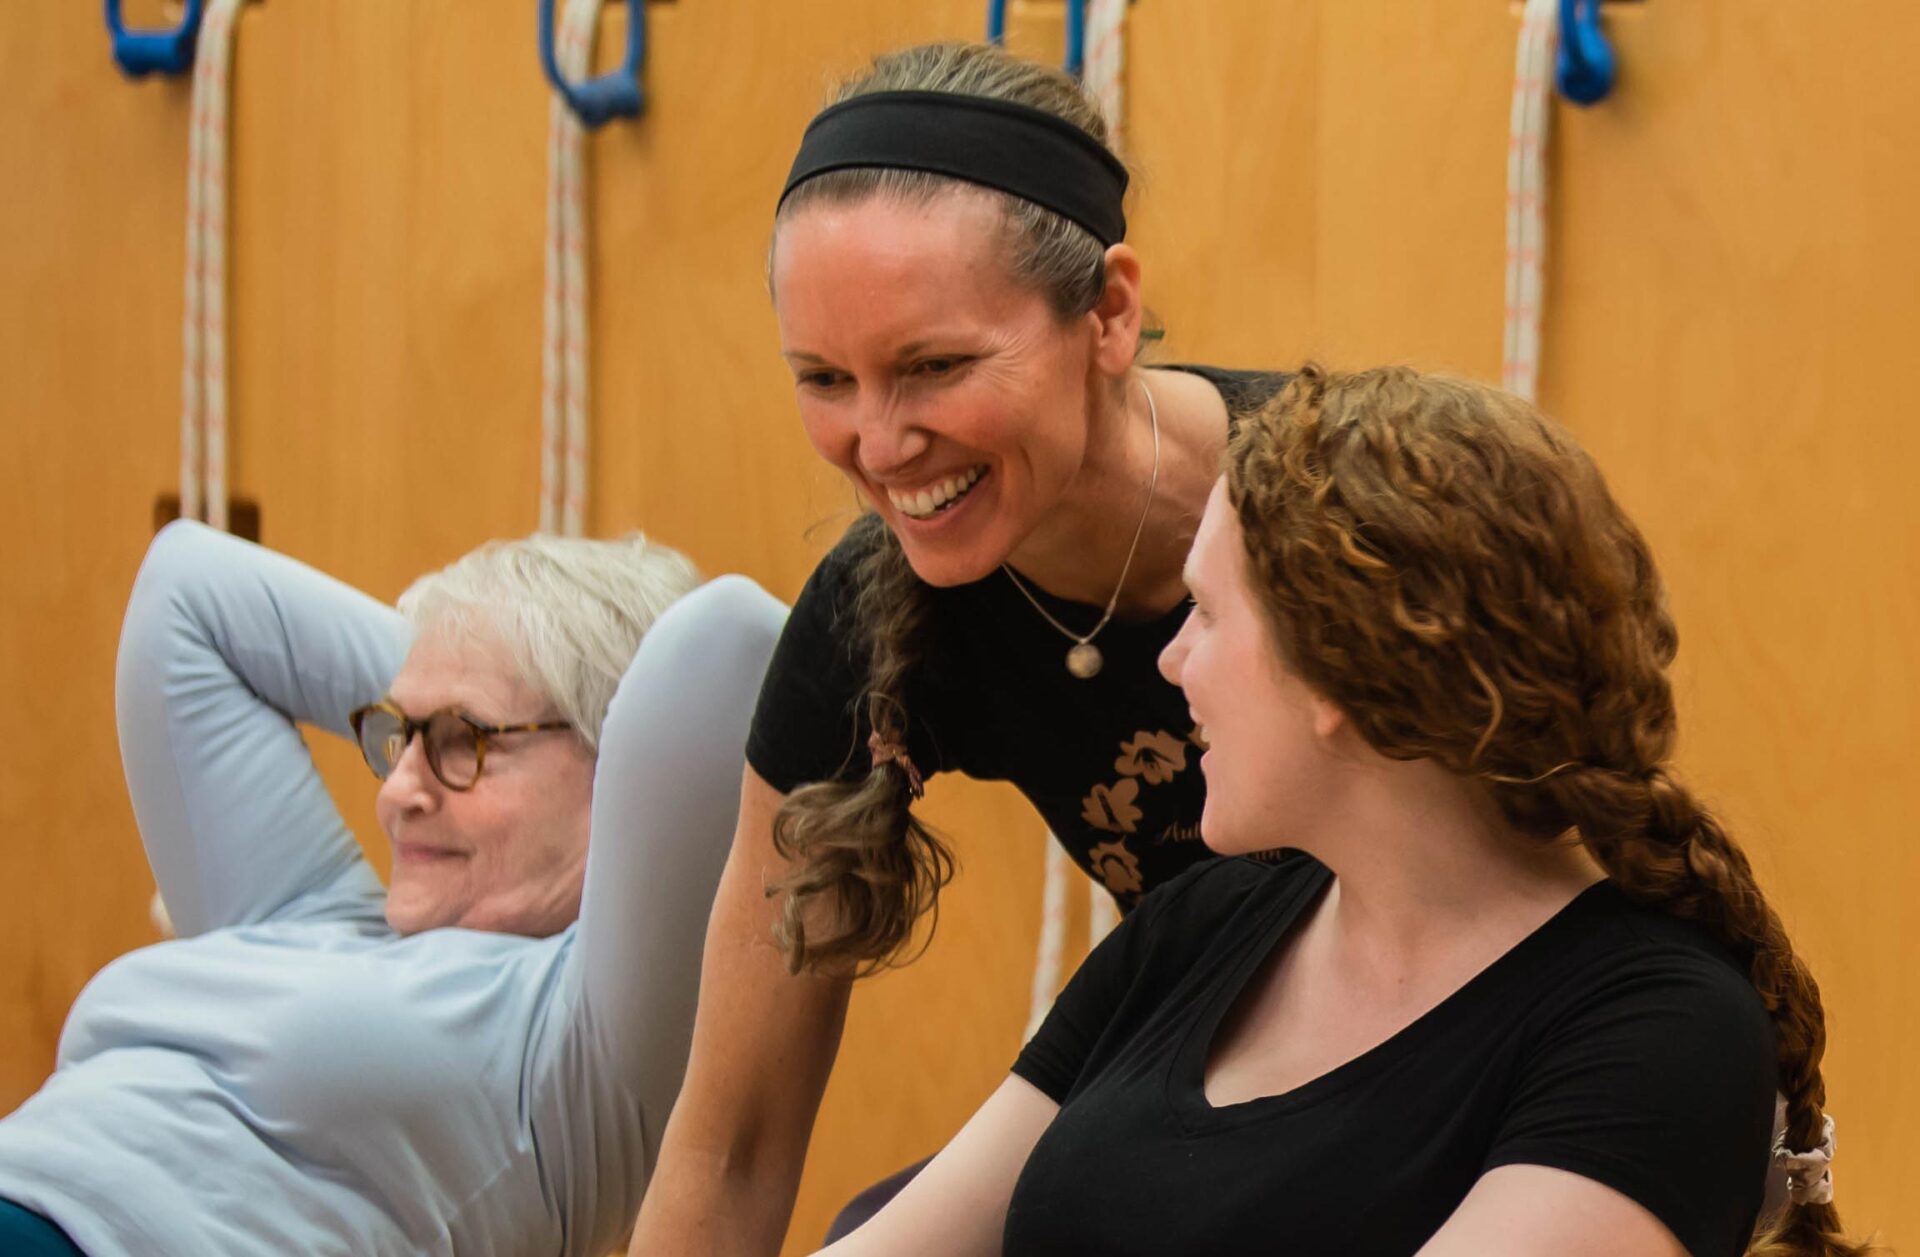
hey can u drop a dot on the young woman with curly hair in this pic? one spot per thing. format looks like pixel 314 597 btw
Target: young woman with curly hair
pixel 1513 989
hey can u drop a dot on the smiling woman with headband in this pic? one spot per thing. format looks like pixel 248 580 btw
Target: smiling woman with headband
pixel 962 317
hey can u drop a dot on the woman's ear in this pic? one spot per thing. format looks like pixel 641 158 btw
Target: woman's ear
pixel 1117 316
pixel 1329 721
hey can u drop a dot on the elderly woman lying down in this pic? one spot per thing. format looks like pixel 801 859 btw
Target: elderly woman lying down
pixel 478 1059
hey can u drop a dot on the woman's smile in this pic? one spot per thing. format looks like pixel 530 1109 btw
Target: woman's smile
pixel 421 853
pixel 937 497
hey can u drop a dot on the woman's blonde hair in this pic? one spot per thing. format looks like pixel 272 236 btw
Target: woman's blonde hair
pixel 1447 565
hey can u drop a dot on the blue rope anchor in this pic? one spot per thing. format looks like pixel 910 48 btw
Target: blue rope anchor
pixel 615 94
pixel 140 53
pixel 1075 60
pixel 1585 67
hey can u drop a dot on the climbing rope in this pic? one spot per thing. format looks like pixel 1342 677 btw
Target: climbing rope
pixel 564 400
pixel 1049 957
pixel 1527 196
pixel 203 375
pixel 1106 62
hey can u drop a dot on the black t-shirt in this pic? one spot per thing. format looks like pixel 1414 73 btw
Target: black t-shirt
pixel 1614 1042
pixel 1108 762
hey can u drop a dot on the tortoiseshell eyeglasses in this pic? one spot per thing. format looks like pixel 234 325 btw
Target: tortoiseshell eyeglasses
pixel 455 743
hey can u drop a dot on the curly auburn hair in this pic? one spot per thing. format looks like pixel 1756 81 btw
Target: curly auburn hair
pixel 1448 566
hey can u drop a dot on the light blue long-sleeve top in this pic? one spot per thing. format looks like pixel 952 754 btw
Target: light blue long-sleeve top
pixel 290 1075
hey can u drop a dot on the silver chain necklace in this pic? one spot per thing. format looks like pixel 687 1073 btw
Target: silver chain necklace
pixel 1084 659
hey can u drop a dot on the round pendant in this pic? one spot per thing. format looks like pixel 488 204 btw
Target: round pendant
pixel 1084 660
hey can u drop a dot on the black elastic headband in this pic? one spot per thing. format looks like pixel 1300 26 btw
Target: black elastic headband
pixel 994 143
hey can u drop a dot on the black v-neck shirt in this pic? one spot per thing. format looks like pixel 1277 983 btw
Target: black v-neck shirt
pixel 1109 762
pixel 1614 1042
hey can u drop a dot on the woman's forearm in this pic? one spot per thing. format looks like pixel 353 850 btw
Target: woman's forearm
pixel 957 1206
pixel 702 1203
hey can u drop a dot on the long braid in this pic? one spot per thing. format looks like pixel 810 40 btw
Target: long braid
pixel 1674 855
pixel 865 867
pixel 1448 566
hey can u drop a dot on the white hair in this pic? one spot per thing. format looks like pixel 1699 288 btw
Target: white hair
pixel 570 611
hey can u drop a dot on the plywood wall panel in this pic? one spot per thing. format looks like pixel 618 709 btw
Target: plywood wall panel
pixel 89 185
pixel 1410 163
pixel 1222 117
pixel 1733 284
pixel 1736 284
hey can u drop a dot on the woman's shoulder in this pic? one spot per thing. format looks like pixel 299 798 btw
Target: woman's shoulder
pixel 1639 1056
pixel 1243 390
pixel 836 578
pixel 1650 932
pixel 1632 955
pixel 1206 898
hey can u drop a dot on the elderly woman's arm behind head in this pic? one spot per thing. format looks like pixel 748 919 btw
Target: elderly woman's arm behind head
pixel 227 646
pixel 666 789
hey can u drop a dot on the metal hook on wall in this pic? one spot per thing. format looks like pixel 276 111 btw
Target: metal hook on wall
pixel 140 53
pixel 1585 68
pixel 615 94
pixel 1075 59
pixel 1075 62
pixel 997 22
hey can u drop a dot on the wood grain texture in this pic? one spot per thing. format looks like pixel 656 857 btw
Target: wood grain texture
pixel 1732 276
pixel 1736 283
pixel 91 189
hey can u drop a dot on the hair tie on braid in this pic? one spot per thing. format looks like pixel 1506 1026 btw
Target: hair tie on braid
pixel 1809 1174
pixel 885 750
